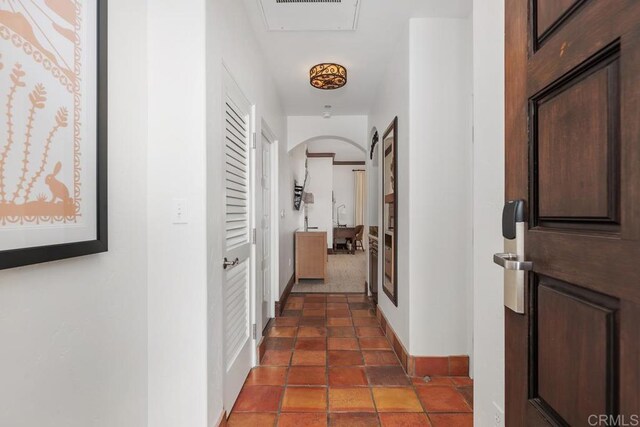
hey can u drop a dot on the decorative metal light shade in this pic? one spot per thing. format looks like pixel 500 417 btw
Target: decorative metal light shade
pixel 328 76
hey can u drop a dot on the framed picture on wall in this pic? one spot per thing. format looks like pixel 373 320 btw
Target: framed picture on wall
pixel 53 130
pixel 390 211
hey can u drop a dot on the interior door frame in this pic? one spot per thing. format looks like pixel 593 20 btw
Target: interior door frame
pixel 265 131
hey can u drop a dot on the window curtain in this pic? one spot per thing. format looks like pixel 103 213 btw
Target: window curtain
pixel 360 195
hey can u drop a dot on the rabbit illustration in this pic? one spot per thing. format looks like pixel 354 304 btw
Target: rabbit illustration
pixel 58 189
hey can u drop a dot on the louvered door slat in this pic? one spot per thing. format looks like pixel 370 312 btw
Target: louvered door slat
pixel 236 190
pixel 235 178
pixel 237 172
pixel 231 111
pixel 234 167
pixel 237 196
pixel 235 137
pixel 236 162
pixel 236 209
pixel 236 143
pixel 235 203
pixel 235 175
pixel 236 310
pixel 235 131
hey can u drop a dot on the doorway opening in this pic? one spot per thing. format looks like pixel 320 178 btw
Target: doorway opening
pixel 334 204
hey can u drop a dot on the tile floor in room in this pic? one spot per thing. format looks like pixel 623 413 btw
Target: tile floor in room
pixel 328 363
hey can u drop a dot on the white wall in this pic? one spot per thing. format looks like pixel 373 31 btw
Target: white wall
pixel 177 253
pixel 440 248
pixel 304 128
pixel 393 100
pixel 343 150
pixel 320 183
pixel 293 171
pixel 488 159
pixel 344 189
pixel 74 332
pixel 429 86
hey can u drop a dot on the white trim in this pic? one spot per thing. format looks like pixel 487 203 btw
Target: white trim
pixel 254 254
pixel 275 223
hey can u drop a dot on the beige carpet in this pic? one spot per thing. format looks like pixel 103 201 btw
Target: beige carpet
pixel 347 273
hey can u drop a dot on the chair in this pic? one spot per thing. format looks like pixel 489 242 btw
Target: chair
pixel 359 232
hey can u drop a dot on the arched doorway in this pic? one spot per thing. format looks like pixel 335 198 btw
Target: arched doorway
pixel 335 174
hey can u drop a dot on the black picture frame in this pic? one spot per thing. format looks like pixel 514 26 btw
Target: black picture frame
pixel 392 128
pixel 40 254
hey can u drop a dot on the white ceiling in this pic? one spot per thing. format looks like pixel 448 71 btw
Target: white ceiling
pixel 343 150
pixel 365 52
pixel 300 15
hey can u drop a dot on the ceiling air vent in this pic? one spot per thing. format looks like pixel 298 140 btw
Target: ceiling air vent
pixel 310 15
pixel 308 1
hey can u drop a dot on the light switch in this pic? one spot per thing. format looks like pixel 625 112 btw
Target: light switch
pixel 180 213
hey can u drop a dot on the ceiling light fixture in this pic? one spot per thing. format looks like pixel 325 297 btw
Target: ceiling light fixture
pixel 328 76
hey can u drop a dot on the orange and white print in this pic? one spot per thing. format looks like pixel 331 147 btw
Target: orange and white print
pixel 44 113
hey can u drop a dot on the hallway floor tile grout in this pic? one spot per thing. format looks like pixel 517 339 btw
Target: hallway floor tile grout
pixel 297 399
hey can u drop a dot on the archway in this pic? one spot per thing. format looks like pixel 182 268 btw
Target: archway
pixel 330 137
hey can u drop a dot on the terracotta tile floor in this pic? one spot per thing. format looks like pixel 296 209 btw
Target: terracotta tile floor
pixel 328 363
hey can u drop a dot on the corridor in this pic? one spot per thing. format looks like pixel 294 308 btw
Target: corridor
pixel 319 213
pixel 327 362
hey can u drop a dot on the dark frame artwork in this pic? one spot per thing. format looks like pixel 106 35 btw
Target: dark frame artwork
pixel 34 255
pixel 390 209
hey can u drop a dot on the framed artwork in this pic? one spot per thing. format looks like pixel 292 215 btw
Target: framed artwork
pixel 390 211
pixel 53 130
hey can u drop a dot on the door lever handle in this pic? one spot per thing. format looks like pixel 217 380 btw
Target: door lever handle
pixel 226 264
pixel 511 262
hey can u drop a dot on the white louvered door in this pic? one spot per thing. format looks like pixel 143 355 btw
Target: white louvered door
pixel 237 241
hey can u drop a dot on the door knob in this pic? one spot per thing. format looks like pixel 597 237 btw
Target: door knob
pixel 226 264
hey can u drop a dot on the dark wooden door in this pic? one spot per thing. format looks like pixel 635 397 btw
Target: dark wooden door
pixel 573 154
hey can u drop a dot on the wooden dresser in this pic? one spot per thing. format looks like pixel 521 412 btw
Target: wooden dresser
pixel 311 255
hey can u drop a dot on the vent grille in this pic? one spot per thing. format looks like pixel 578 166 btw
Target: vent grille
pixel 308 1
pixel 293 15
